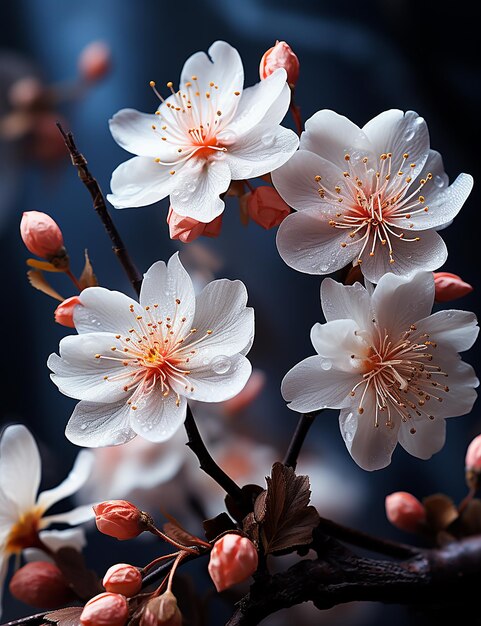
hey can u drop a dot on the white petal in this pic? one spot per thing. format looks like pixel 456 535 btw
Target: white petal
pixel 221 308
pixel 66 538
pixel 260 151
pixel 76 479
pixel 307 243
pixel 105 310
pixel 133 131
pixel 337 342
pixel 400 302
pixel 332 136
pixel 76 516
pixel 428 253
pixel 140 181
pixel 9 515
pixel 195 192
pixel 96 425
pixel 224 68
pixel 428 439
pixel 220 379
pixel 79 374
pixel 369 446
pixel 400 133
pixel 158 418
pixel 346 302
pixel 271 95
pixel 443 204
pixel 3 575
pixel 163 286
pixel 453 329
pixel 309 387
pixel 20 468
pixel 296 181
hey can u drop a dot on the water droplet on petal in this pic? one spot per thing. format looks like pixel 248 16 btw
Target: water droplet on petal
pixel 83 426
pixel 267 140
pixel 221 364
pixel 191 187
pixel 439 181
pixel 326 364
pixel 409 133
pixel 175 193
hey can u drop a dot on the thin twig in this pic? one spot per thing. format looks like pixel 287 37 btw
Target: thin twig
pixel 79 161
pixel 207 463
pixel 305 422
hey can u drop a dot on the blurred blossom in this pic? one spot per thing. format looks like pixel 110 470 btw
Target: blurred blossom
pixel 405 511
pixel 373 196
pixel 41 585
pixel 95 61
pixel 387 363
pixel 280 55
pixel 450 287
pixel 191 153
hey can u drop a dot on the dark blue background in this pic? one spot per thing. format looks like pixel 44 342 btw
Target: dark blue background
pixel 358 58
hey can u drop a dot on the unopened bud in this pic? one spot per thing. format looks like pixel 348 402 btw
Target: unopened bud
pixel 449 286
pixel 187 229
pixel 280 55
pixel 266 207
pixel 42 235
pixel 473 463
pixel 162 611
pixel 405 511
pixel 40 584
pixel 94 61
pixel 232 560
pixel 106 609
pixel 64 311
pixel 120 519
pixel 123 578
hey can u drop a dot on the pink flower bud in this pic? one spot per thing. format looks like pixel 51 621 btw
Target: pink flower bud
pixel 405 511
pixel 120 519
pixel 280 55
pixel 123 578
pixel 162 611
pixel 266 207
pixel 40 584
pixel 64 311
pixel 232 560
pixel 187 229
pixel 94 61
pixel 449 287
pixel 41 234
pixel 473 463
pixel 106 609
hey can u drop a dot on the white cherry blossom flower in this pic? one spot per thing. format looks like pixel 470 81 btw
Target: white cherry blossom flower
pixel 391 367
pixel 206 133
pixel 22 511
pixel 134 365
pixel 373 196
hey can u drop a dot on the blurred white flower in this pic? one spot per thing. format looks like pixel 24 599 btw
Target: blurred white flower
pixel 134 365
pixel 21 510
pixel 373 196
pixel 387 363
pixel 207 133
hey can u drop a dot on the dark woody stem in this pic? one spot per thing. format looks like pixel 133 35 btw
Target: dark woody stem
pixel 305 422
pixel 100 207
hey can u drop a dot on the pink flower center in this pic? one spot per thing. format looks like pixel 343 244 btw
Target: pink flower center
pixel 401 375
pixel 373 204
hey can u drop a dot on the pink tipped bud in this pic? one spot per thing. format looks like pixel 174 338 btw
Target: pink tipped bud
pixel 94 61
pixel 42 235
pixel 120 519
pixel 64 311
pixel 405 511
pixel 280 55
pixel 232 560
pixel 123 578
pixel 106 609
pixel 187 229
pixel 473 463
pixel 40 584
pixel 266 207
pixel 449 287
pixel 162 611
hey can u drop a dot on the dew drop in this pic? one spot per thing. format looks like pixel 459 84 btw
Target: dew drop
pixel 191 187
pixel 175 193
pixel 409 133
pixel 326 364
pixel 83 426
pixel 221 364
pixel 439 181
pixel 267 140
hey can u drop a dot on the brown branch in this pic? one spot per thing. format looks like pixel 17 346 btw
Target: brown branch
pixel 31 620
pixel 303 425
pixel 80 162
pixel 441 577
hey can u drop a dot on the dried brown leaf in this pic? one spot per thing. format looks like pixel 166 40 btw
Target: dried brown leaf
pixel 70 616
pixel 45 266
pixel 179 534
pixel 218 525
pixel 283 510
pixel 88 278
pixel 251 528
pixel 83 581
pixel 38 281
pixel 441 511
